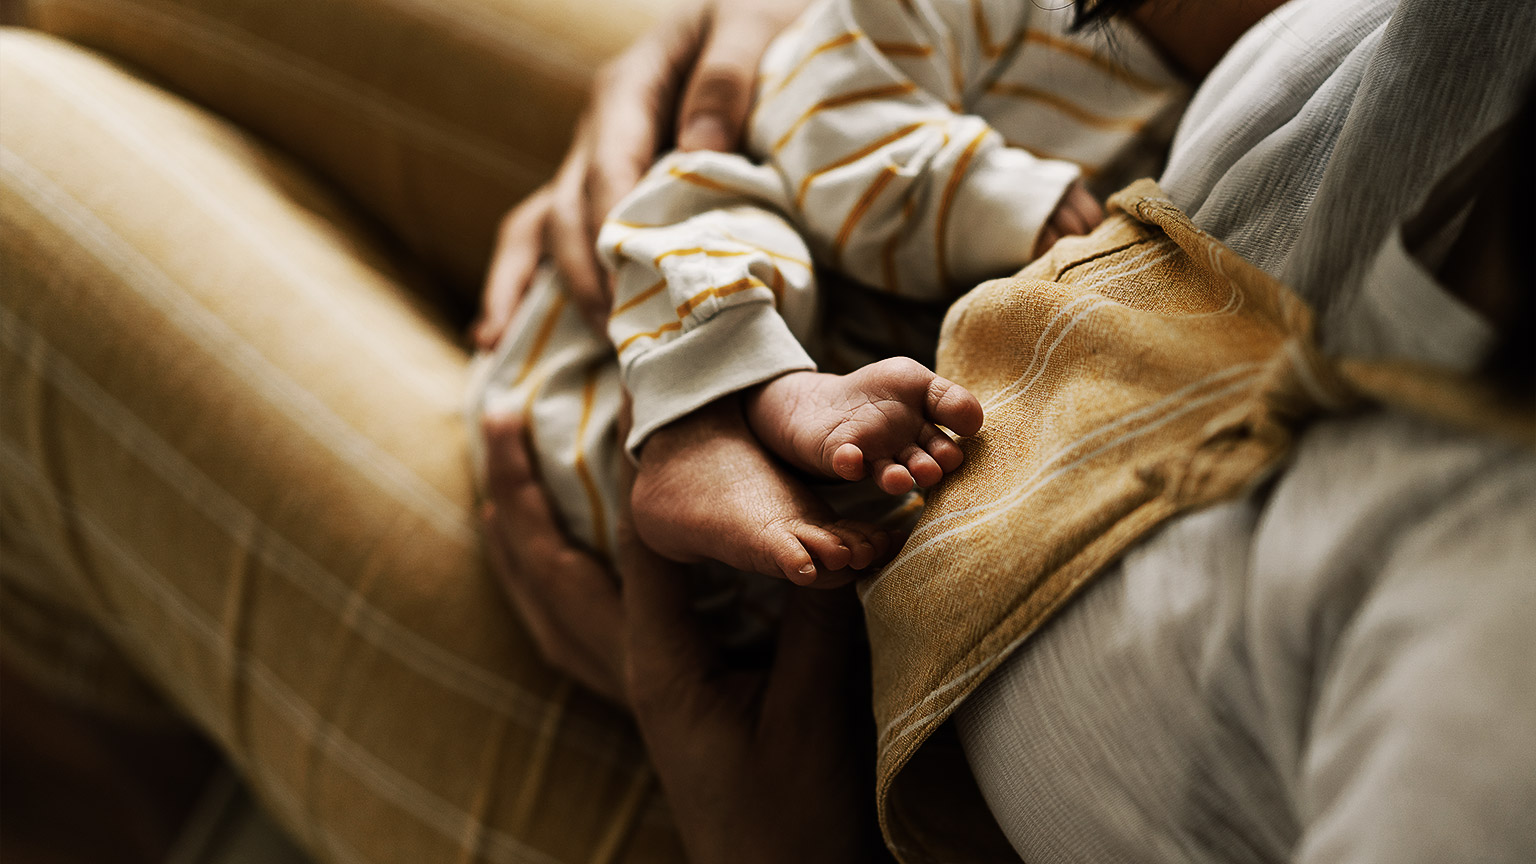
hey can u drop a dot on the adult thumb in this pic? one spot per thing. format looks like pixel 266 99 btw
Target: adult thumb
pixel 715 104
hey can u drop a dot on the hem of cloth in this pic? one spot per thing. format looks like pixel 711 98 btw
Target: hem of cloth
pixel 738 348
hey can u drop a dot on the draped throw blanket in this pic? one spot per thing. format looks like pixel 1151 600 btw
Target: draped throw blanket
pixel 1128 376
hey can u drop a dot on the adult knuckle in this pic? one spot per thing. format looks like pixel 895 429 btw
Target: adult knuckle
pixel 718 86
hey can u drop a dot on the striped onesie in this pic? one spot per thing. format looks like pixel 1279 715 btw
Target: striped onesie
pixel 900 152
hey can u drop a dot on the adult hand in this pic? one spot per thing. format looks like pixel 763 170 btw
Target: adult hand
pixel 712 47
pixel 1078 212
pixel 568 599
pixel 757 766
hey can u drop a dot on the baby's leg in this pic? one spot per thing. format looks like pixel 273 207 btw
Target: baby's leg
pixel 705 488
pixel 882 419
pixel 552 370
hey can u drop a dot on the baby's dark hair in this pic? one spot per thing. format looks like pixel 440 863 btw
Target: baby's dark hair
pixel 1089 12
pixel 1513 361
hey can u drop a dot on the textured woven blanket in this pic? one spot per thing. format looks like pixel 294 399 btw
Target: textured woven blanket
pixel 1128 376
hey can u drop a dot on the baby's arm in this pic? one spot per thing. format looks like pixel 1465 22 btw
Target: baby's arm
pixel 713 290
pixel 870 114
pixel 872 159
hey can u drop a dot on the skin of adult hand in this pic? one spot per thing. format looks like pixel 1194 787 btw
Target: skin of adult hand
pixel 708 50
pixel 1078 212
pixel 757 766
pixel 567 599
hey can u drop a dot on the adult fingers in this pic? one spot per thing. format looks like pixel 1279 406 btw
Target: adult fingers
pixel 1081 210
pixel 569 600
pixel 718 97
pixel 632 101
pixel 668 657
pixel 519 247
pixel 1046 239
pixel 556 645
pixel 814 659
pixel 571 234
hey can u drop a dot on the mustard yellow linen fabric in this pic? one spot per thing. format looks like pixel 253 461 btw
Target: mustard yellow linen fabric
pixel 435 116
pixel 1128 376
pixel 232 462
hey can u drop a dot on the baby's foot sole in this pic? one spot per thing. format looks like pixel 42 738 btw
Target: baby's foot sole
pixel 881 420
pixel 707 490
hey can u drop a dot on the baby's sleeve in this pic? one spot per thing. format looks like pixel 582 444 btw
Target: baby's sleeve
pixel 864 113
pixel 714 290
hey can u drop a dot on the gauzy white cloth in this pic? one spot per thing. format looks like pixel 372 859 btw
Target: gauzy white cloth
pixel 1336 668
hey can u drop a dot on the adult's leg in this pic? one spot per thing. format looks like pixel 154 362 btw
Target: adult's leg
pixel 232 458
pixel 434 115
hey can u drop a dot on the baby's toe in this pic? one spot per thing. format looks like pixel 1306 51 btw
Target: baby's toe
pixel 941 447
pixel 827 547
pixel 924 470
pixel 848 462
pixel 949 404
pixel 893 479
pixel 859 539
pixel 783 554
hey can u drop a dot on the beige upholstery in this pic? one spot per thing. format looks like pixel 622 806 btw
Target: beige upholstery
pixel 433 116
pixel 231 456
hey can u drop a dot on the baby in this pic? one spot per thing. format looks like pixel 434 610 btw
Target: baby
pixel 870 156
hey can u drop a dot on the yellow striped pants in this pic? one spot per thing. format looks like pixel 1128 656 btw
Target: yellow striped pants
pixel 234 480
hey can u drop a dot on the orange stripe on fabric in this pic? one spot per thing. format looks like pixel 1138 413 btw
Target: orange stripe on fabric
pixel 637 299
pixel 984 32
pixel 853 157
pixel 594 499
pixel 700 250
pixel 1104 64
pixel 777 256
pixel 903 49
pixel 957 78
pixel 741 284
pixel 1069 108
pixel 706 183
pixel 830 45
pixel 948 200
pixel 884 92
pixel 665 328
pixel 734 253
pixel 541 342
pixel 857 213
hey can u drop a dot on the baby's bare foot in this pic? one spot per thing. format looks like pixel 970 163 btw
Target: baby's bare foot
pixel 878 420
pixel 705 488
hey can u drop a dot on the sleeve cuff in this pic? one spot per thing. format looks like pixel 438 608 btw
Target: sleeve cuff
pixel 739 347
pixel 993 228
